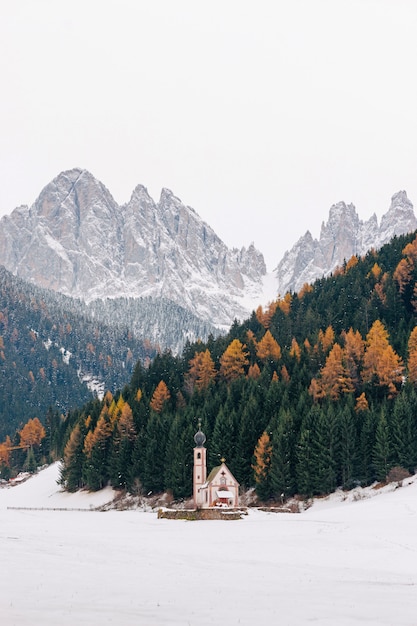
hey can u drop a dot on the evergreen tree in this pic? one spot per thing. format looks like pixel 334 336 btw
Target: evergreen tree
pixel 347 446
pixel 179 457
pixel 282 471
pixel 381 455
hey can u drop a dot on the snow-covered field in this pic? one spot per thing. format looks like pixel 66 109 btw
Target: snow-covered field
pixel 339 563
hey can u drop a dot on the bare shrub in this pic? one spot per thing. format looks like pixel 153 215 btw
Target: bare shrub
pixel 397 474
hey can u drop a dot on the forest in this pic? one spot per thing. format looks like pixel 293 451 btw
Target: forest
pixel 50 345
pixel 316 390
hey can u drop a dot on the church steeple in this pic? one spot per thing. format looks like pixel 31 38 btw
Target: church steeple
pixel 200 465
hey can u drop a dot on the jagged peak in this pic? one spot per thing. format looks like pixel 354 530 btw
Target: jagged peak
pixel 400 199
pixel 140 192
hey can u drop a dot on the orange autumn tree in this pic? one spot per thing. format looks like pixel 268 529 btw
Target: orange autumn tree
pixel 202 370
pixel 326 339
pixel 268 348
pixel 381 364
pixel 361 403
pixel 295 350
pixel 262 464
pixel 254 371
pixel 32 433
pixel 233 360
pixel 354 349
pixel 160 396
pixel 5 452
pixel 334 378
pixel 412 357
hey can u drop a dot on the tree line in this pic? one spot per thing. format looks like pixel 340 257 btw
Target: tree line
pixel 314 391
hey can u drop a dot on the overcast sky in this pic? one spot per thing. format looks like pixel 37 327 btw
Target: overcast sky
pixel 260 115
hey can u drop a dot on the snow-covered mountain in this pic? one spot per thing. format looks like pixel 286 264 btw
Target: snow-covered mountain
pixel 342 236
pixel 77 240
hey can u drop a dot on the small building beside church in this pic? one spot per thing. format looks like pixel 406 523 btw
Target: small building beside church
pixel 220 488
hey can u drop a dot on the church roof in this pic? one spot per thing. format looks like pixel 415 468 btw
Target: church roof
pixel 214 473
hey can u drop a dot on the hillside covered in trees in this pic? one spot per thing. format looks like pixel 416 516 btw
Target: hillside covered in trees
pixel 52 347
pixel 315 391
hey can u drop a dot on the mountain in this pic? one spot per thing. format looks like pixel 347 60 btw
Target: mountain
pixel 56 351
pixel 341 237
pixel 77 240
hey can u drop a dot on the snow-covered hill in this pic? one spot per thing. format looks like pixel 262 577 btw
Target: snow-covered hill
pixel 340 562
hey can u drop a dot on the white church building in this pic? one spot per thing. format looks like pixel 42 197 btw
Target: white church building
pixel 220 488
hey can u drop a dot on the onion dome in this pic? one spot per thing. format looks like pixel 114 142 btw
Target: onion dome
pixel 199 438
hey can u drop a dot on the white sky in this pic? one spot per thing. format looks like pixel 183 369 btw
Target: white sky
pixel 260 115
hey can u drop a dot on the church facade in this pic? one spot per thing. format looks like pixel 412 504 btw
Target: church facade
pixel 220 488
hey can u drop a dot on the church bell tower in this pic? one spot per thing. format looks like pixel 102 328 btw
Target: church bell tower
pixel 200 466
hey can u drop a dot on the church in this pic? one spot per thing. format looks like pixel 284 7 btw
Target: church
pixel 220 488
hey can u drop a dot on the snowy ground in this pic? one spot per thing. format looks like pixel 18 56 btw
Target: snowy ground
pixel 339 563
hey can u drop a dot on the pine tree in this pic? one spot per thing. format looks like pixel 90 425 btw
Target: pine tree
pixel 404 430
pixel 323 454
pixel 71 475
pixel 179 457
pixel 347 445
pixel 282 471
pixel 381 454
pixel 154 454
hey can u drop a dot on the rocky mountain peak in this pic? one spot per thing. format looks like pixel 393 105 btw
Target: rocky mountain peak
pixel 75 239
pixel 342 236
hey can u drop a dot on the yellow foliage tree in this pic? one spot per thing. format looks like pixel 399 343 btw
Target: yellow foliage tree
pixel 268 348
pixel 233 360
pixel 381 364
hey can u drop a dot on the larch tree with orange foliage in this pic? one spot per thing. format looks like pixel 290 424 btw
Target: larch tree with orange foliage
pixel 354 349
pixel 412 357
pixel 361 403
pixel 160 396
pixel 262 465
pixel 295 350
pixel 268 348
pixel 233 360
pixel 32 433
pixel 254 371
pixel 5 455
pixel 334 378
pixel 202 370
pixel 381 364
pixel 326 339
